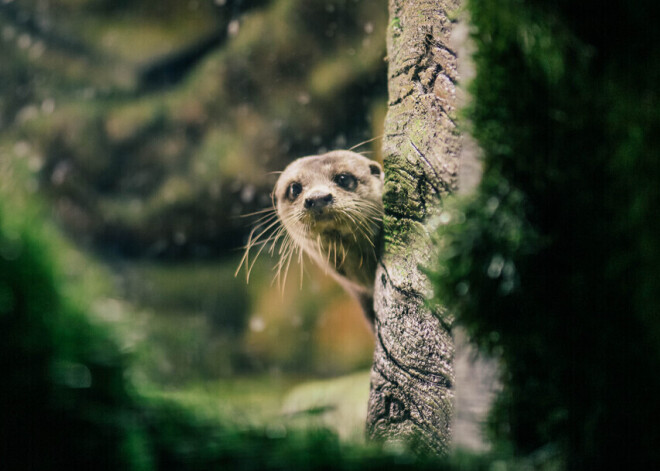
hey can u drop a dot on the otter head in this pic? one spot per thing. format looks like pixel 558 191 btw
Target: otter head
pixel 334 198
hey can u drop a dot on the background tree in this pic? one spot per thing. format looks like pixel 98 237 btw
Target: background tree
pixel 149 127
pixel 412 374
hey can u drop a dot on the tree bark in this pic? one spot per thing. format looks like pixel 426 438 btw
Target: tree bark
pixel 412 374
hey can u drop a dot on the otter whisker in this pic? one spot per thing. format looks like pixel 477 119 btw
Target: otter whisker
pixel 263 221
pixel 284 247
pixel 281 231
pixel 364 220
pixel 260 223
pixel 364 230
pixel 353 218
pixel 263 246
pixel 252 241
pixel 356 222
pixel 335 247
pixel 365 142
pixel 300 262
pixel 280 265
pixel 286 271
pixel 259 231
pixel 371 211
pixel 343 249
pixel 255 213
pixel 257 240
pixel 263 229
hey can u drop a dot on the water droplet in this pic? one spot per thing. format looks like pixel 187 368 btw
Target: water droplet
pixel 257 324
pixel 506 287
pixel 27 113
pixel 247 193
pixel 73 375
pixel 35 163
pixel 509 269
pixel 48 105
pixel 89 93
pixel 11 247
pixel 445 217
pixel 462 288
pixel 22 148
pixel 492 204
pixel 180 238
pixel 109 309
pixel 496 266
pixel 233 27
pixel 276 431
pixel 304 98
pixel 24 41
pixel 60 173
pixel 8 33
pixel 7 300
pixel 37 50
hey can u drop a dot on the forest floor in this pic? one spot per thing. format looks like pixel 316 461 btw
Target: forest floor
pixel 278 403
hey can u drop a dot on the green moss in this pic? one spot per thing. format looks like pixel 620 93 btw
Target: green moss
pixel 395 23
pixel 551 264
pixel 62 372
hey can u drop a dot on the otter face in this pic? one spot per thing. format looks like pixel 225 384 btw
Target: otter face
pixel 325 205
pixel 333 197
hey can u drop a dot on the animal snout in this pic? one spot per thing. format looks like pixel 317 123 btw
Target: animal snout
pixel 318 200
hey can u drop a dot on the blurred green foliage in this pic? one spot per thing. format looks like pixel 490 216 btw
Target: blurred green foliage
pixel 553 264
pixel 64 397
pixel 144 128
pixel 67 399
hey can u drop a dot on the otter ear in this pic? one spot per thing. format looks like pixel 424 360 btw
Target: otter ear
pixel 375 169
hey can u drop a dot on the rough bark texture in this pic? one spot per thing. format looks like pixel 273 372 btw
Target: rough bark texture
pixel 412 375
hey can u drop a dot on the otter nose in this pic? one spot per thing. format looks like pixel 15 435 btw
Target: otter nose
pixel 318 200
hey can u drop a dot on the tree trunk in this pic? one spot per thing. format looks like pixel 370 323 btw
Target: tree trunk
pixel 412 374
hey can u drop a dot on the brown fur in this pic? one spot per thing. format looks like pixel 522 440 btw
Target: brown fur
pixel 336 218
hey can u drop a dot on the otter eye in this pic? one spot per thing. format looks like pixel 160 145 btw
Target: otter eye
pixel 346 181
pixel 294 190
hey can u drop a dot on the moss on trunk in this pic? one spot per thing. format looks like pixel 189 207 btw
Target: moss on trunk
pixel 412 374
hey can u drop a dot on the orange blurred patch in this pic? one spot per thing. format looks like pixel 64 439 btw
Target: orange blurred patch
pixel 342 336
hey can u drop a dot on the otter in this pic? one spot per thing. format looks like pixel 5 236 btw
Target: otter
pixel 329 207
